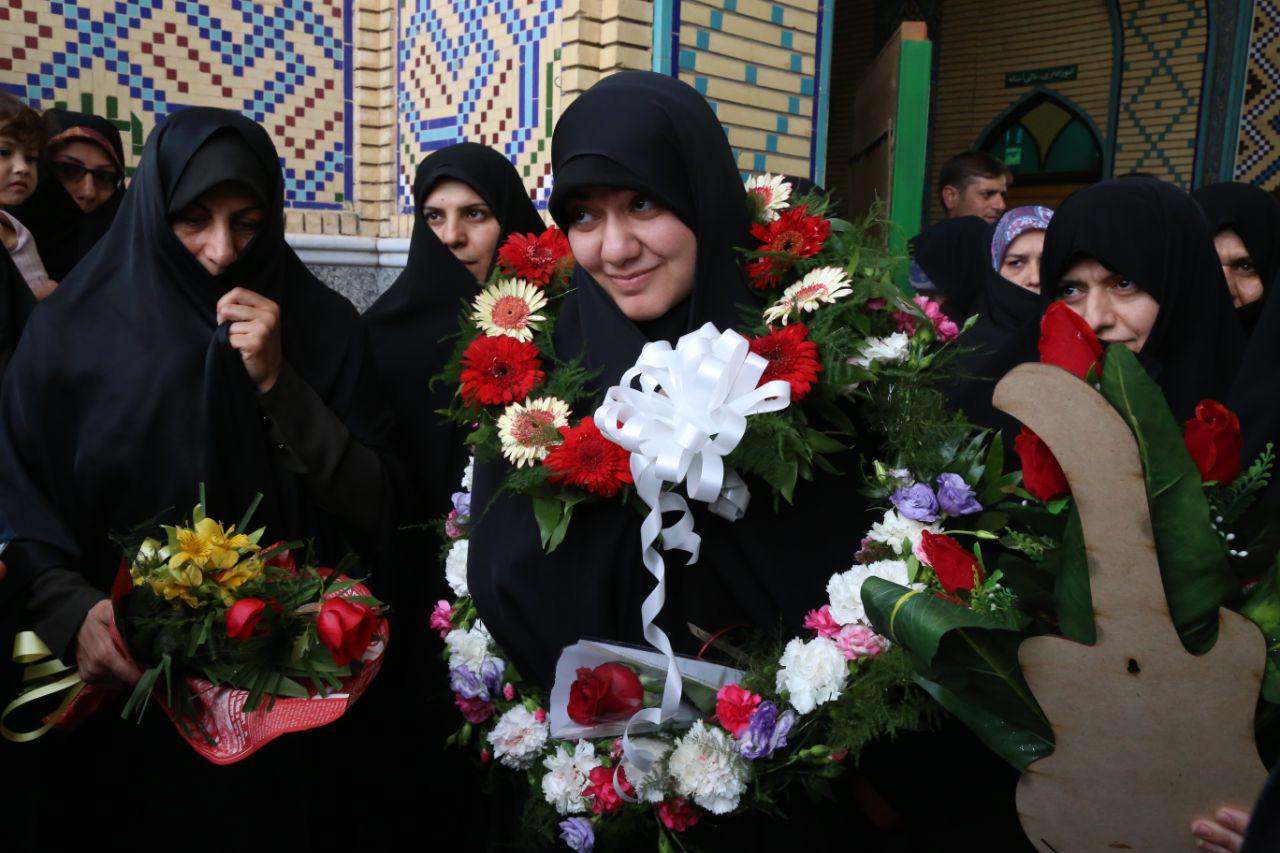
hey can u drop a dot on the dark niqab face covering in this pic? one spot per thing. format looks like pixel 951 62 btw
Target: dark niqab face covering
pixel 654 135
pixel 409 323
pixel 1156 236
pixel 125 395
pixel 1254 214
pixel 63 232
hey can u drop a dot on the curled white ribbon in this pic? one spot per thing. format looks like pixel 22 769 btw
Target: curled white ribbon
pixel 689 412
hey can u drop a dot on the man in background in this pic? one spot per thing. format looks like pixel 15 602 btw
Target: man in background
pixel 974 184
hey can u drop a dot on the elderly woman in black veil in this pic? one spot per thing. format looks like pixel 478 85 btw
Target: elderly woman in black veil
pixel 198 350
pixel 647 191
pixel 1245 221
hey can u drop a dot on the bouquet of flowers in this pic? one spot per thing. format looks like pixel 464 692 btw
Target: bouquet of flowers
pixel 240 643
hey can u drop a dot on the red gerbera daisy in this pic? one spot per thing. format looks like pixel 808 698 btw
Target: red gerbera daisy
pixel 794 235
pixel 537 259
pixel 499 370
pixel 589 460
pixel 791 358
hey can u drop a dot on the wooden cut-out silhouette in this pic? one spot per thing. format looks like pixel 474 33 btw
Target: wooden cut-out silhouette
pixel 1148 737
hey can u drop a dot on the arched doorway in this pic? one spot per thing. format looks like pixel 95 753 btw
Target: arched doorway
pixel 1051 146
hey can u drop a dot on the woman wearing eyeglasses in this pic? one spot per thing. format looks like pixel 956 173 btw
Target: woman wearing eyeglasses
pixel 81 185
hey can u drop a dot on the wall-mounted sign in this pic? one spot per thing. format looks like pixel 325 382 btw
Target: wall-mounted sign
pixel 1040 76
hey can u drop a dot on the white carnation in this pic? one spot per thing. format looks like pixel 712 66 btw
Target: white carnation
pixel 886 350
pixel 812 673
pixel 706 767
pixel 518 738
pixel 651 787
pixel 896 531
pixel 845 589
pixel 468 648
pixel 468 473
pixel 567 774
pixel 455 568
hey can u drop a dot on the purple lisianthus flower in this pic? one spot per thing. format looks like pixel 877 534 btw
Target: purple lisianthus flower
pixel 577 834
pixel 955 497
pixel 462 505
pixel 491 672
pixel 765 732
pixel 467 684
pixel 917 502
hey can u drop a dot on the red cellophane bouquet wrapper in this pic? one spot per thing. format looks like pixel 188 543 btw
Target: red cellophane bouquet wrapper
pixel 238 643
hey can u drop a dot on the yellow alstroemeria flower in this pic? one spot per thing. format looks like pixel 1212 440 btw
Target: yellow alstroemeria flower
pixel 239 574
pixel 169 590
pixel 209 546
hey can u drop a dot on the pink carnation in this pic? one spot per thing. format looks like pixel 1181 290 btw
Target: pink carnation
pixel 442 618
pixel 678 814
pixel 451 528
pixel 906 322
pixel 822 622
pixel 942 324
pixel 859 641
pixel 509 692
pixel 734 706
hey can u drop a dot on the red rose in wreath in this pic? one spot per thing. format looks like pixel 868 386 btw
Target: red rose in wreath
pixel 957 567
pixel 1042 476
pixel 346 628
pixel 1213 437
pixel 1067 341
pixel 611 691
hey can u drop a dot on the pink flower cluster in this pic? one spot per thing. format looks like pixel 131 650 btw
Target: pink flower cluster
pixel 854 641
pixel 944 326
pixel 442 618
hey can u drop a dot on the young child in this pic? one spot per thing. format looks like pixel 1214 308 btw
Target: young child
pixel 22 136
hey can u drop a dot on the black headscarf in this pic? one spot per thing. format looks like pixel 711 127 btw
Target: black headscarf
pixel 1255 395
pixel 16 303
pixel 410 324
pixel 955 255
pixel 63 232
pixel 655 135
pixel 1156 236
pixel 124 396
pixel 1254 214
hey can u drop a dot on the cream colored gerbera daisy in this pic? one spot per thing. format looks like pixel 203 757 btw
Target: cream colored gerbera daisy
pixel 772 194
pixel 529 430
pixel 510 308
pixel 821 286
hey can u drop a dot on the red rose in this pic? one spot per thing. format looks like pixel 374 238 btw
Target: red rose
pixel 1042 476
pixel 791 358
pixel 1067 341
pixel 589 460
pixel 600 788
pixel 499 370
pixel 346 628
pixel 1213 437
pixel 243 617
pixel 734 707
pixel 678 814
pixel 281 559
pixel 475 711
pixel 956 567
pixel 611 691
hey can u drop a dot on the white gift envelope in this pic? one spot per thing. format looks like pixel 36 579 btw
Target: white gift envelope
pixel 593 653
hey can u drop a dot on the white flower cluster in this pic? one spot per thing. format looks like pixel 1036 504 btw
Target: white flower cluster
pixel 706 767
pixel 455 567
pixel 469 648
pixel 812 673
pixel 886 350
pixel 468 473
pixel 654 786
pixel 518 738
pixel 900 533
pixel 567 775
pixel 845 589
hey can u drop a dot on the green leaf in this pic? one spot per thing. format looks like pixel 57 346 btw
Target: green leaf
pixel 1071 591
pixel 1193 561
pixel 547 512
pixel 1263 607
pixel 993 472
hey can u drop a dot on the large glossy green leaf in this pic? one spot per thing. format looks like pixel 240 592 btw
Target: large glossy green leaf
pixel 1071 594
pixel 1193 560
pixel 968 662
pixel 1263 606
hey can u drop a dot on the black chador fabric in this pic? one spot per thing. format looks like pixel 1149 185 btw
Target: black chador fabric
pixel 122 397
pixel 956 256
pixel 63 232
pixel 412 324
pixel 1255 395
pixel 16 303
pixel 1156 236
pixel 1254 214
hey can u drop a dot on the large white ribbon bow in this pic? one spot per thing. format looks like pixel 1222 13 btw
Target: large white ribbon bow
pixel 688 412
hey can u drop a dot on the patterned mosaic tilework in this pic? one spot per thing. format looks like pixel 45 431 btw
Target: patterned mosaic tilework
pixel 482 71
pixel 285 64
pixel 755 61
pixel 1258 154
pixel 1165 42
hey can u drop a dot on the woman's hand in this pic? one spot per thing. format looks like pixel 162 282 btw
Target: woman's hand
pixel 97 656
pixel 1223 833
pixel 255 334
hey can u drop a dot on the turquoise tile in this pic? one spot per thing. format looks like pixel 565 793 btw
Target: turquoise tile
pixel 717 20
pixel 771 143
pixel 750 76
pixel 795 62
pixel 776 16
pixel 688 60
pixel 702 39
pixel 806 87
pixel 731 5
pixel 782 124
pixel 793 105
pixel 700 83
pixel 787 38
pixel 758 164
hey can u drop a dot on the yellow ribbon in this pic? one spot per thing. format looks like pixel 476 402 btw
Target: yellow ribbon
pixel 44 676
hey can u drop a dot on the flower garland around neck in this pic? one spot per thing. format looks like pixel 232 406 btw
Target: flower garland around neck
pixel 796 711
